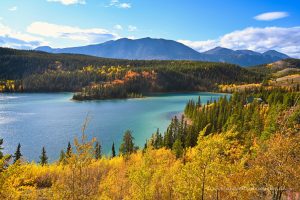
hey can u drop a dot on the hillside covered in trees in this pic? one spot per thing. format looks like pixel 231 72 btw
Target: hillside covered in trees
pixel 279 68
pixel 245 146
pixel 283 74
pixel 99 78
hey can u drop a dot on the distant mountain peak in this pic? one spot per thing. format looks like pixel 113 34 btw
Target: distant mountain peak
pixel 219 50
pixel 162 49
pixel 274 53
pixel 247 52
pixel 44 48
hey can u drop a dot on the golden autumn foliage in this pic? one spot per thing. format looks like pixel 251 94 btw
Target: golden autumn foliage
pixel 216 168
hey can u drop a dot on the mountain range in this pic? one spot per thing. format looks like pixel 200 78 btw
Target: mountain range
pixel 162 49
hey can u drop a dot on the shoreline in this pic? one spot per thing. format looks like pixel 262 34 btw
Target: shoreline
pixel 153 94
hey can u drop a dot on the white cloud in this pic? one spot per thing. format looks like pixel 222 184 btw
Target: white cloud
pixel 200 45
pixel 269 16
pixel 124 5
pixel 132 28
pixel 68 2
pixel 118 4
pixel 285 40
pixel 131 37
pixel 15 39
pixel 118 27
pixel 88 36
pixel 14 8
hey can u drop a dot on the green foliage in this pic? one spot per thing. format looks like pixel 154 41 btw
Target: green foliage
pixel 268 70
pixel 113 151
pixel 251 113
pixel 1 148
pixel 98 151
pixel 177 148
pixel 17 156
pixel 168 76
pixel 43 157
pixel 99 78
pixel 69 150
pixel 127 146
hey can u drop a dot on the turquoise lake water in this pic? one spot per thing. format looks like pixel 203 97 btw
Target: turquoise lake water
pixel 52 119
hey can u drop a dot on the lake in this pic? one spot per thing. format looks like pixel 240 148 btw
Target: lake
pixel 53 119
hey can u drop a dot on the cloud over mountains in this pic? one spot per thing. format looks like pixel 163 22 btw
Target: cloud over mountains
pixel 282 39
pixel 92 35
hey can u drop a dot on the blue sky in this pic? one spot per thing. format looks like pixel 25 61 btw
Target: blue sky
pixel 201 24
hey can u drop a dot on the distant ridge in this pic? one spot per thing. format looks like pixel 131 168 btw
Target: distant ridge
pixel 162 49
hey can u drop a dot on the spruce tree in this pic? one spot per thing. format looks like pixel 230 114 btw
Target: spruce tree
pixel 1 148
pixel 43 157
pixel 69 150
pixel 168 139
pixel 17 154
pixel 199 101
pixel 127 146
pixel 157 139
pixel 98 150
pixel 177 148
pixel 113 150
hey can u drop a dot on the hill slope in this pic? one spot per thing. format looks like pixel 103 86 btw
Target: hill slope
pixel 243 57
pixel 141 49
pixel 278 68
pixel 39 71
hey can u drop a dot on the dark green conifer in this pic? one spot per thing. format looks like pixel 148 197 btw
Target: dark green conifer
pixel 177 148
pixel 98 153
pixel 43 157
pixel 113 154
pixel 17 154
pixel 127 146
pixel 1 148
pixel 69 150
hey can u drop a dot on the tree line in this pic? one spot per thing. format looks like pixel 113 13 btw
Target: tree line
pixel 252 114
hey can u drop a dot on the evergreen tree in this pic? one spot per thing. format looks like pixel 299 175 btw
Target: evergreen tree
pixel 98 152
pixel 69 150
pixel 188 139
pixel 43 157
pixel 177 148
pixel 17 154
pixel 1 148
pixel 168 139
pixel 199 101
pixel 113 154
pixel 127 146
pixel 156 140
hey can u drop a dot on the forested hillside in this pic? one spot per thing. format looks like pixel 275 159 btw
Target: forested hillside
pixel 17 64
pixel 97 78
pixel 284 74
pixel 271 68
pixel 240 147
pixel 168 77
